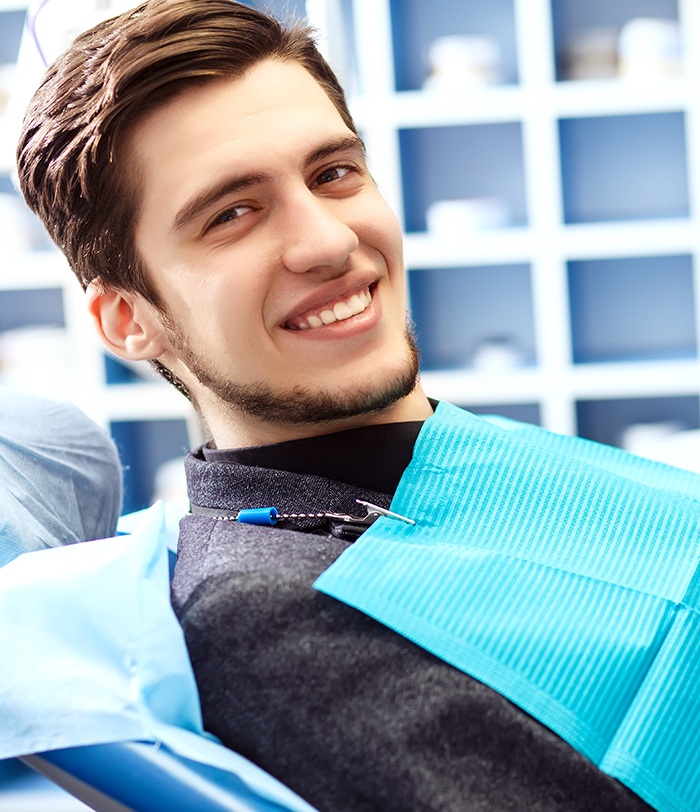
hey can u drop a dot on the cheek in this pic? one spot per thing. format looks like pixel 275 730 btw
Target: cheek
pixel 222 292
pixel 383 231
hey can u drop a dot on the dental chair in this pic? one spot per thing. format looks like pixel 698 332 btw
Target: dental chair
pixel 148 776
pixel 151 776
pixel 63 612
pixel 141 777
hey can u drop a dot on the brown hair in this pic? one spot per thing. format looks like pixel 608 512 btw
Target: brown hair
pixel 71 156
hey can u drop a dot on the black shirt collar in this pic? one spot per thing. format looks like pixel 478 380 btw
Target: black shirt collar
pixel 372 457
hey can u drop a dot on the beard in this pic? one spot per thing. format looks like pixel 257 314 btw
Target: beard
pixel 300 405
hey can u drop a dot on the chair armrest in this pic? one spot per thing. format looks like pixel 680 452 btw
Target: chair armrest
pixel 144 777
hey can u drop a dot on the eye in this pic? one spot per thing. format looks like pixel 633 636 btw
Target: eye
pixel 333 173
pixel 229 215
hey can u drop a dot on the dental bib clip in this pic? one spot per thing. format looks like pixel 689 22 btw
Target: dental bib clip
pixel 270 516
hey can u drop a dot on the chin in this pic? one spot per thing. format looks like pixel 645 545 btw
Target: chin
pixel 376 387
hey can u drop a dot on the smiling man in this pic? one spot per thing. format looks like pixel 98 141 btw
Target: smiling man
pixel 273 227
pixel 198 165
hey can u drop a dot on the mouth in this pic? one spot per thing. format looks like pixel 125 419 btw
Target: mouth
pixel 332 312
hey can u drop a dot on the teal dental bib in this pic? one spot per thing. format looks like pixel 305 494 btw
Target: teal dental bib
pixel 561 573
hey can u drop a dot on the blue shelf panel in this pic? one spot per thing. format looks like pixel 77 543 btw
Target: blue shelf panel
pixel 20 229
pixel 144 446
pixel 523 412
pixel 573 20
pixel 11 27
pixel 417 24
pixel 117 372
pixel 632 309
pixel 606 420
pixel 473 317
pixel 37 307
pixel 463 162
pixel 624 167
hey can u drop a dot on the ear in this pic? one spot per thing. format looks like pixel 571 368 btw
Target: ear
pixel 128 325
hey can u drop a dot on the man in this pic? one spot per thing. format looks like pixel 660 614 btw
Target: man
pixel 198 165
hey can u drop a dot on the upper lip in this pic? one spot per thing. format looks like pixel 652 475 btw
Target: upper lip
pixel 330 293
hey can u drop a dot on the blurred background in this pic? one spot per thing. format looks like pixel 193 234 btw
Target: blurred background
pixel 544 158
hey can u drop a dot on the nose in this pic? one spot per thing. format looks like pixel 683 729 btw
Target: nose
pixel 315 235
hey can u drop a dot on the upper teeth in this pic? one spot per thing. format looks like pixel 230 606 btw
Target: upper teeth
pixel 341 310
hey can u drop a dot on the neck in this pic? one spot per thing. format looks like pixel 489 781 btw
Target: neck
pixel 243 430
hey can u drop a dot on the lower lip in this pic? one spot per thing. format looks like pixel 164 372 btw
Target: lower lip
pixel 347 328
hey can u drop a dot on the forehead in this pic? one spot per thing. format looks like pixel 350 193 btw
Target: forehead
pixel 275 111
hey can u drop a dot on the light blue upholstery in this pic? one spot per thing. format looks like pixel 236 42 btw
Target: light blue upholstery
pixel 60 483
pixel 60 477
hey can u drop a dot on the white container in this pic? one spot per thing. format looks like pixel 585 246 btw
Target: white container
pixel 461 62
pixel 449 218
pixel 650 48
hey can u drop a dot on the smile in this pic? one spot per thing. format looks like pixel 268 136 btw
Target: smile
pixel 330 313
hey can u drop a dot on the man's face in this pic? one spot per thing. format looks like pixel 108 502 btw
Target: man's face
pixel 279 263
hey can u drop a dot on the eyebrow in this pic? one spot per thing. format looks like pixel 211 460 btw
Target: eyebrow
pixel 232 185
pixel 206 198
pixel 345 143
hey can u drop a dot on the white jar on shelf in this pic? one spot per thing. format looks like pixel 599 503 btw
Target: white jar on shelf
pixel 460 62
pixel 649 48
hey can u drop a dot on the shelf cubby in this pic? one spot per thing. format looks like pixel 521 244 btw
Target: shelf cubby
pixel 480 166
pixel 145 447
pixel 607 421
pixel 632 309
pixel 587 35
pixel 463 319
pixel 629 167
pixel 481 34
pixel 522 412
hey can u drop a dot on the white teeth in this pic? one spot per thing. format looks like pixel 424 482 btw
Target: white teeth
pixel 356 304
pixel 341 311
